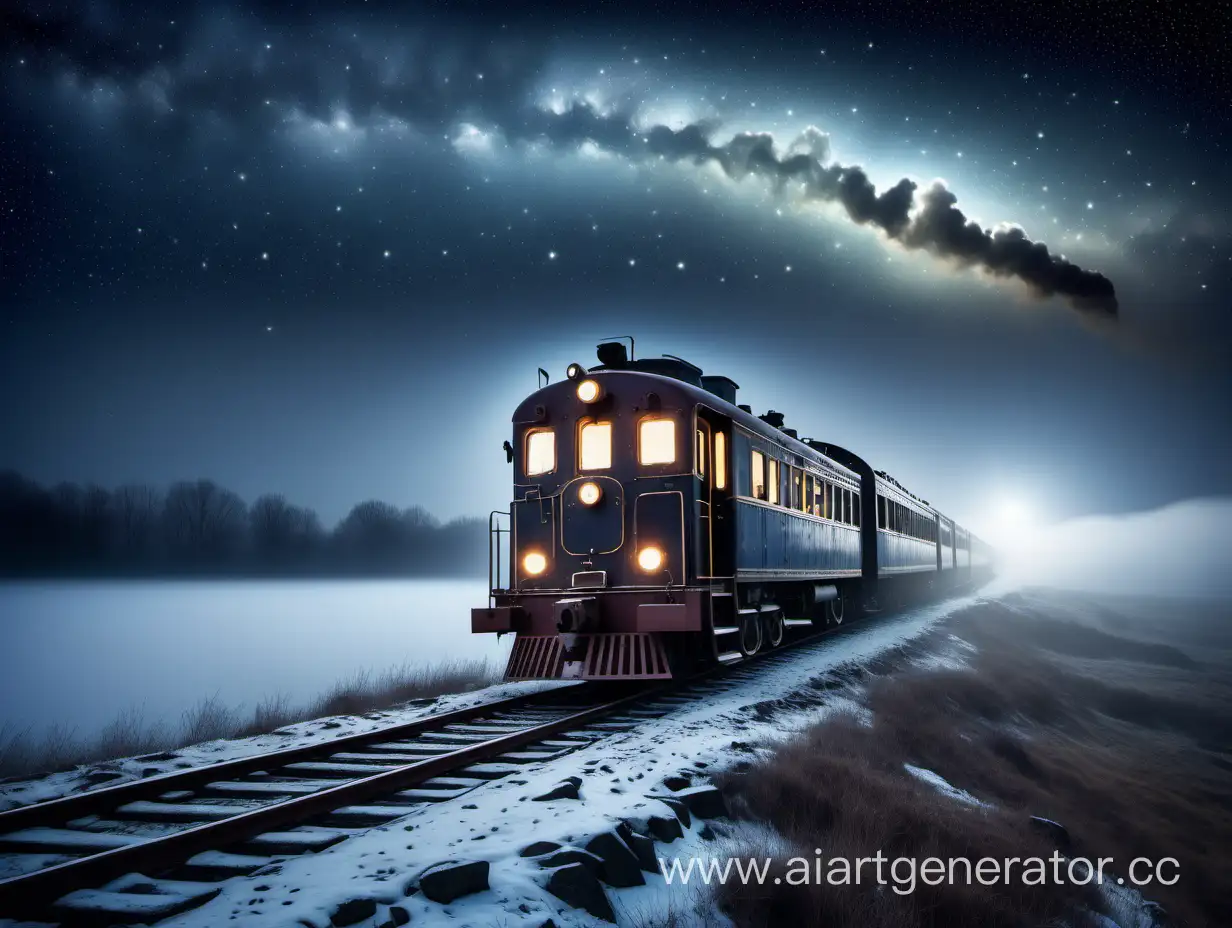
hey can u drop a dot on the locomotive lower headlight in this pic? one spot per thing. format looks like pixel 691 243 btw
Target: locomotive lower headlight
pixel 589 390
pixel 650 558
pixel 589 493
pixel 534 563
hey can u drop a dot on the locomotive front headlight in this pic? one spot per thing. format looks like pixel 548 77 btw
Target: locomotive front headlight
pixel 588 391
pixel 589 493
pixel 534 563
pixel 650 558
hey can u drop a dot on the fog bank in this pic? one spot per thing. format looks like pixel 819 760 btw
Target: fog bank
pixel 1184 549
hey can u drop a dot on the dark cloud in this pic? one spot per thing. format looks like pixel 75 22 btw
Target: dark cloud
pixel 181 66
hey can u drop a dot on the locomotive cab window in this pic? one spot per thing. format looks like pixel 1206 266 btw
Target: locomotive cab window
pixel 759 475
pixel 540 452
pixel 595 446
pixel 700 453
pixel 656 441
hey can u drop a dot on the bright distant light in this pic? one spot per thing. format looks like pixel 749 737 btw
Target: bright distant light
pixel 1011 524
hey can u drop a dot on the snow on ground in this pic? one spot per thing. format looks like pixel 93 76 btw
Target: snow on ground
pixel 113 773
pixel 620 774
pixel 945 787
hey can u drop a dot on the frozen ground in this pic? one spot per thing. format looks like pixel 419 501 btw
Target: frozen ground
pixel 498 819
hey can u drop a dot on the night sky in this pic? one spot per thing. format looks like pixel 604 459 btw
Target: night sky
pixel 323 252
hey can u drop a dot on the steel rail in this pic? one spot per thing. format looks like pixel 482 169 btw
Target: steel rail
pixel 30 894
pixel 91 802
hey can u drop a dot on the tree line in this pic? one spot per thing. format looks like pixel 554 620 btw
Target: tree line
pixel 199 527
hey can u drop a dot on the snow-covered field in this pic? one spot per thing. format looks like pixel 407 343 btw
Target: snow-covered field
pixel 495 821
pixel 78 654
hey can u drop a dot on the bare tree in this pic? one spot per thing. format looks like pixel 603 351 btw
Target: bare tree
pixel 203 521
pixel 271 521
pixel 136 507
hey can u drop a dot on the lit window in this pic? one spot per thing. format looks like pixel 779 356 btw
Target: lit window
pixel 701 453
pixel 540 452
pixel 596 446
pixel 720 461
pixel 772 480
pixel 657 441
pixel 759 475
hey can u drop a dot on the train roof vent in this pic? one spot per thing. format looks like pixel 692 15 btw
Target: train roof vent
pixel 746 408
pixel 668 366
pixel 772 418
pixel 613 355
pixel 723 387
pixel 790 433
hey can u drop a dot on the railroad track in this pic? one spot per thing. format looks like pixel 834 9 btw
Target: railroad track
pixel 162 845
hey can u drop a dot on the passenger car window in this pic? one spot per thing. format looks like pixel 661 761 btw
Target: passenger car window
pixel 595 446
pixel 540 452
pixel 759 475
pixel 720 461
pixel 700 453
pixel 772 480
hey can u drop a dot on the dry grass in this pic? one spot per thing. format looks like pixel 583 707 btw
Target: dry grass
pixel 1120 737
pixel 24 752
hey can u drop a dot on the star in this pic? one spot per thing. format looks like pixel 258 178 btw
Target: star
pixel 387 253
pixel 551 256
pixel 680 265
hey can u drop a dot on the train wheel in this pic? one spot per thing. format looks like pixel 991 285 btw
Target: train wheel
pixel 772 627
pixel 835 609
pixel 750 632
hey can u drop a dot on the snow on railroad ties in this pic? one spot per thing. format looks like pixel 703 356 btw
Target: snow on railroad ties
pixel 620 776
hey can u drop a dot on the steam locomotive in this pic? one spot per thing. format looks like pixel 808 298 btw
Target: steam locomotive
pixel 657 525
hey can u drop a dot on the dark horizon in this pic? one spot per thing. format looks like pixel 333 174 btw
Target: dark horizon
pixel 325 251
pixel 196 528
